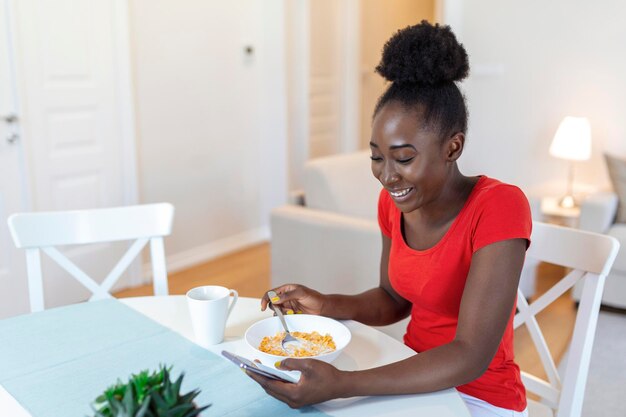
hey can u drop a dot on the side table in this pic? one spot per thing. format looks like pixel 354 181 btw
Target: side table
pixel 555 214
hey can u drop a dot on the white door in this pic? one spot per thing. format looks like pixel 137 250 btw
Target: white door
pixel 76 120
pixel 13 193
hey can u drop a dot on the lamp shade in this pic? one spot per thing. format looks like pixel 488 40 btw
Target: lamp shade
pixel 572 139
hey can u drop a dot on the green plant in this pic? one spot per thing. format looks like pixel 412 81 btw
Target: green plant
pixel 147 395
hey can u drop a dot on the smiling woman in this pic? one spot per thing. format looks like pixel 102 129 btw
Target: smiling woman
pixel 452 252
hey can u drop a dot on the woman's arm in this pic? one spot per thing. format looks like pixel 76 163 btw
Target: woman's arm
pixel 486 307
pixel 376 307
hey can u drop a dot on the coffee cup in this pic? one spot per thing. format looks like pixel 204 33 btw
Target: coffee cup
pixel 209 310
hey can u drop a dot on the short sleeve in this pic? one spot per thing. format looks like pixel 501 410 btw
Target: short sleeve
pixel 384 212
pixel 504 214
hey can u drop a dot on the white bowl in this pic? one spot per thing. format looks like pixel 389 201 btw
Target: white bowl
pixel 297 323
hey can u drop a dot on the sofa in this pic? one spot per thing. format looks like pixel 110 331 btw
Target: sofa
pixel 597 214
pixel 328 238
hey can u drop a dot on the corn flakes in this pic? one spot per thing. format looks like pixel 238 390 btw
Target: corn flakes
pixel 313 344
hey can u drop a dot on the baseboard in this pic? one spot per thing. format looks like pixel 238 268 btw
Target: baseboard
pixel 204 253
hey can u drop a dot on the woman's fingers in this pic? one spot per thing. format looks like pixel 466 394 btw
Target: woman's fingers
pixel 292 364
pixel 281 295
pixel 293 299
pixel 312 388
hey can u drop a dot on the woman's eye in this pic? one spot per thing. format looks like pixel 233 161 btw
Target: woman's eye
pixel 405 161
pixel 376 158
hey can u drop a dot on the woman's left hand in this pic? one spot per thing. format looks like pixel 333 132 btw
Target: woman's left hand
pixel 319 382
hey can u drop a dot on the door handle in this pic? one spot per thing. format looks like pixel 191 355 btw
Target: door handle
pixel 9 118
pixel 12 138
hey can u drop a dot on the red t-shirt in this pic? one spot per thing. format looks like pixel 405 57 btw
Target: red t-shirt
pixel 433 279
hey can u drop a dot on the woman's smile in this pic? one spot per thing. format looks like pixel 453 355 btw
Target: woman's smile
pixel 400 195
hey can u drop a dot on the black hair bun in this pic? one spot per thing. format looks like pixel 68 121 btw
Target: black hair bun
pixel 424 54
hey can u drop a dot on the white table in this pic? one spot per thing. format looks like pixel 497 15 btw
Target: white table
pixel 368 348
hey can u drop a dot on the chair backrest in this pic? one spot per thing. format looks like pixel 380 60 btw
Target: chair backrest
pixel 43 231
pixel 590 257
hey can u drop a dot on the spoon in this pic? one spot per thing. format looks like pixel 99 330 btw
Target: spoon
pixel 289 340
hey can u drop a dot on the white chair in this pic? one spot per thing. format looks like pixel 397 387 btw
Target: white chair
pixel 43 231
pixel 590 257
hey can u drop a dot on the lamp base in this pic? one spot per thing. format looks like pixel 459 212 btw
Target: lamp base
pixel 568 201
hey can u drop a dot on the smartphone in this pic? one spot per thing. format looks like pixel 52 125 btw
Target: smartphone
pixel 259 368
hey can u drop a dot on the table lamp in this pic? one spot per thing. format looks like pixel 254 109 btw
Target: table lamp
pixel 572 141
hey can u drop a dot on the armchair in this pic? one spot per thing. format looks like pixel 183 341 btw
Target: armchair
pixel 597 214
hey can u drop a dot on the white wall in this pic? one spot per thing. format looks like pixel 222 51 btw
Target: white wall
pixel 211 120
pixel 532 63
pixel 211 124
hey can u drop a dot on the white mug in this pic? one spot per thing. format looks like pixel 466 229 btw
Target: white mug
pixel 209 310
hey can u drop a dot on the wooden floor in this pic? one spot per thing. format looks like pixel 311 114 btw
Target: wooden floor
pixel 248 272
pixel 556 322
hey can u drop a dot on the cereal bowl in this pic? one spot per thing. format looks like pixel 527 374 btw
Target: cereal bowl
pixel 297 323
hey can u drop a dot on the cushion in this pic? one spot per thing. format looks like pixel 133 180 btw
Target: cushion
pixel 343 184
pixel 618 231
pixel 617 173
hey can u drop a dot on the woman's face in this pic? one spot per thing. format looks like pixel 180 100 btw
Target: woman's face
pixel 412 163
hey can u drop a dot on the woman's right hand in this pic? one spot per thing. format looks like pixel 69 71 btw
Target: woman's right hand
pixel 297 298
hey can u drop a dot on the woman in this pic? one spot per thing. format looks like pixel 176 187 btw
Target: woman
pixel 453 247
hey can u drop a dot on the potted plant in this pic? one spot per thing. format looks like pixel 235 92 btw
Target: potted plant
pixel 147 395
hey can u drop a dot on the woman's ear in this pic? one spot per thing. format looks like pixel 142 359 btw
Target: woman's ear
pixel 454 146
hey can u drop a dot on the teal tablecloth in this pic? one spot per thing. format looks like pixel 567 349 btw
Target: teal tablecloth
pixel 56 362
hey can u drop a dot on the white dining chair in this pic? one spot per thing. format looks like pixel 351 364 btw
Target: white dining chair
pixel 42 231
pixel 589 258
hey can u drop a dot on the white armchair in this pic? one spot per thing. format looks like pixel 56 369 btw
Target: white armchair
pixel 597 214
pixel 329 238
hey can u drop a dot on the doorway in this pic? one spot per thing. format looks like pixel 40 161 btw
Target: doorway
pixel 333 47
pixel 13 191
pixel 380 20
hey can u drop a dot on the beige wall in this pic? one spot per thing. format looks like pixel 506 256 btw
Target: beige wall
pixel 379 20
